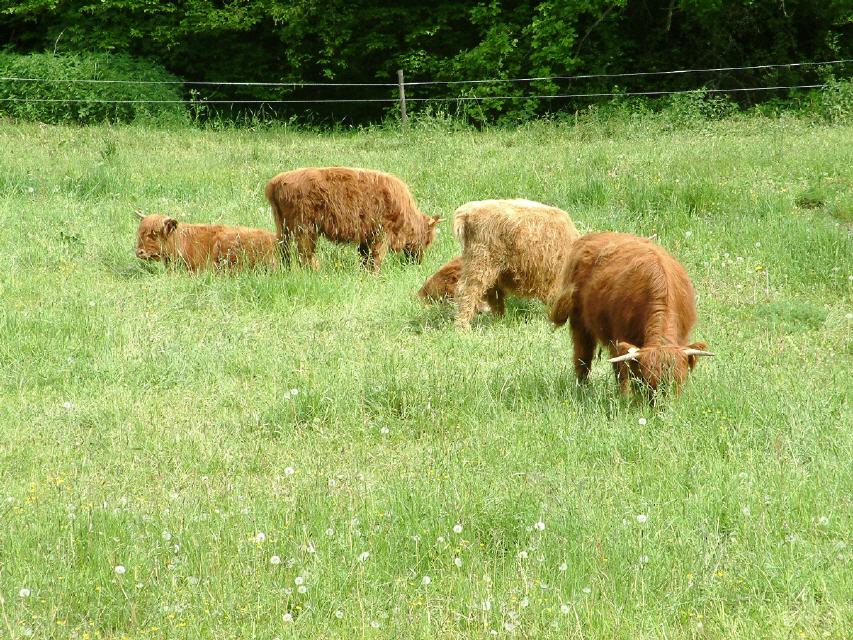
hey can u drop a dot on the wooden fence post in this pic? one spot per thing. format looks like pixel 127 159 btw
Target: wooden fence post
pixel 402 87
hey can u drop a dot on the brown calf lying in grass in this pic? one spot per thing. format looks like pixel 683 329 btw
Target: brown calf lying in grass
pixel 509 246
pixel 631 296
pixel 201 245
pixel 372 209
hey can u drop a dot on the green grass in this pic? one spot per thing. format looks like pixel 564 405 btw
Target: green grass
pixel 182 442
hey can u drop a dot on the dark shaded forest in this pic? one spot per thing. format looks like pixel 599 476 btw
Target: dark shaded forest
pixel 448 40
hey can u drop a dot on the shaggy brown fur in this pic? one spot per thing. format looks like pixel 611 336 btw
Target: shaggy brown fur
pixel 442 284
pixel 509 246
pixel 373 209
pixel 631 296
pixel 199 245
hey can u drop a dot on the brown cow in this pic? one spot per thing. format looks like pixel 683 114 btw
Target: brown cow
pixel 199 245
pixel 441 285
pixel 631 296
pixel 509 246
pixel 370 208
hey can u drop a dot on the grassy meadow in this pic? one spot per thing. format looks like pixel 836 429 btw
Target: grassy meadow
pixel 318 455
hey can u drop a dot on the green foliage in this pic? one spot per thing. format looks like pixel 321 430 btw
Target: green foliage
pixel 368 40
pixel 66 96
pixel 835 101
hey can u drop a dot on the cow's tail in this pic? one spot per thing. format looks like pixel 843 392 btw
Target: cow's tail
pixel 460 227
pixel 561 308
pixel 278 216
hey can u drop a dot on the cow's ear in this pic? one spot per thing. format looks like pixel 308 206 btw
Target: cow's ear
pixel 434 220
pixel 169 225
pixel 698 349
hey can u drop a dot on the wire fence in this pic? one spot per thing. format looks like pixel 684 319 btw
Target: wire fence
pixel 402 85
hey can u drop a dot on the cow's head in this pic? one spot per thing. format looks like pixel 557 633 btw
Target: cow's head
pixel 414 250
pixel 442 284
pixel 660 365
pixel 153 235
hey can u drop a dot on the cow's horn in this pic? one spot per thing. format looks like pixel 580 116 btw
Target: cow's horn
pixel 698 352
pixel 139 213
pixel 631 355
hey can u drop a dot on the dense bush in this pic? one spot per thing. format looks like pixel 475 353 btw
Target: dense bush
pixel 59 91
pixel 358 41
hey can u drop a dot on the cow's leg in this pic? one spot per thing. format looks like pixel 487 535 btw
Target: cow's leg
pixel 495 297
pixel 584 345
pixel 378 248
pixel 364 253
pixel 477 277
pixel 284 247
pixel 622 371
pixel 306 240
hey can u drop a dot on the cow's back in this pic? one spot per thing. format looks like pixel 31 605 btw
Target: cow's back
pixel 345 204
pixel 530 239
pixel 629 288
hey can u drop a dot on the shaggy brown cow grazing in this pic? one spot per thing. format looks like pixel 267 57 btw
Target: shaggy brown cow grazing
pixel 509 246
pixel 370 208
pixel 442 284
pixel 200 245
pixel 631 296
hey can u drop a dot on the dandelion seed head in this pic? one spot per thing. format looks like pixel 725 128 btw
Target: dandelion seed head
pixel 302 589
pixel 363 556
pixel 524 603
pixel 24 593
pixel 487 605
pixel 642 421
pixel 457 528
pixel 330 532
pixel 289 471
pixel 166 536
pixel 564 609
pixel 563 566
pixel 274 560
pixel 384 430
pixel 586 590
pixel 539 526
pixel 522 555
pixel 260 536
pixel 644 559
pixel 509 626
pixel 119 569
pixel 642 517
pixel 339 614
pixel 426 580
pixel 287 617
pixel 458 562
pixel 374 624
pixel 67 405
pixel 823 521
pixel 298 580
pixel 746 511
